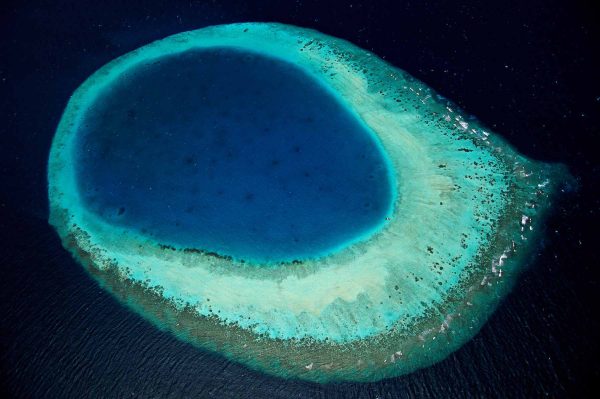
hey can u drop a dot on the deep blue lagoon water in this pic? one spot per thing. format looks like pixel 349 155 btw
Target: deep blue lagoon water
pixel 235 153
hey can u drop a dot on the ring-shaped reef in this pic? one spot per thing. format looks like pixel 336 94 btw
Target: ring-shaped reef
pixel 387 270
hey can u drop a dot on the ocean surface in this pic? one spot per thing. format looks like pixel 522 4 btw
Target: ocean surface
pixel 526 70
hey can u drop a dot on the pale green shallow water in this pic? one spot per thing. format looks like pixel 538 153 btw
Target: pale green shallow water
pixel 468 209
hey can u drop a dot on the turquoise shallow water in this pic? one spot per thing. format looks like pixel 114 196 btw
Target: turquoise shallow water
pixel 466 210
pixel 235 153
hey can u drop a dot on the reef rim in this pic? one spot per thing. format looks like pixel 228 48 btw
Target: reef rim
pixel 473 207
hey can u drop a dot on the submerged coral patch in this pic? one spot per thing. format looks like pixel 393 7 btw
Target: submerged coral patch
pixel 412 243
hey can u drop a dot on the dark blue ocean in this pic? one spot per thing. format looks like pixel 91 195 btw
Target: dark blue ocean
pixel 526 69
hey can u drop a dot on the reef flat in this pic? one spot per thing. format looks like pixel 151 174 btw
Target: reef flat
pixel 466 210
